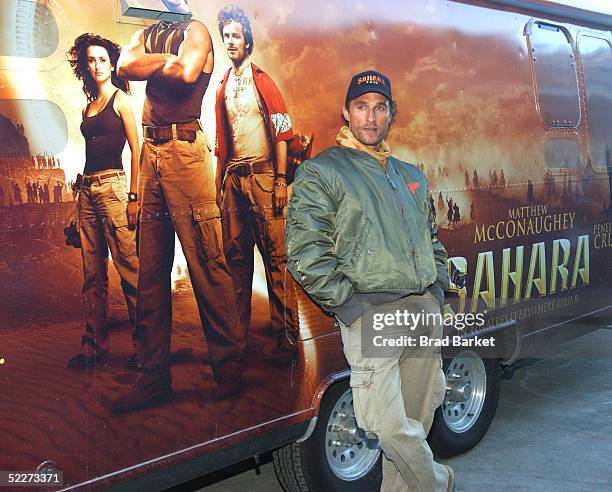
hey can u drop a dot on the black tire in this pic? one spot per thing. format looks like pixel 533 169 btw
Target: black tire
pixel 304 467
pixel 444 441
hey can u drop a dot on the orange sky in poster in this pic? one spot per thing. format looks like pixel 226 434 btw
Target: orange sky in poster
pixel 462 96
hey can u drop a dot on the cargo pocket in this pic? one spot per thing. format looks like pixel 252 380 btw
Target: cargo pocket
pixel 361 379
pixel 440 389
pixel 125 238
pixel 207 220
pixel 263 189
pixel 275 237
pixel 366 408
pixel 119 187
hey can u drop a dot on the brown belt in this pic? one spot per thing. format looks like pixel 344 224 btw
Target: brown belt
pixel 250 168
pixel 96 178
pixel 176 131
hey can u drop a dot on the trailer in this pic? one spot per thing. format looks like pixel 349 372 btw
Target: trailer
pixel 505 105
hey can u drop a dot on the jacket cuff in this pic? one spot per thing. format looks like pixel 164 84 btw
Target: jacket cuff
pixel 349 311
pixel 437 290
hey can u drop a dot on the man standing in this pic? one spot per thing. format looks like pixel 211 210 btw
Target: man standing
pixel 253 129
pixel 177 194
pixel 17 193
pixel 360 236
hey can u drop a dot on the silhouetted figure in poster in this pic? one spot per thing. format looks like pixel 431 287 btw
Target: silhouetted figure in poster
pixel 530 191
pixel 502 179
pixel 466 180
pixel 29 193
pixel 17 193
pixel 494 178
pixel 552 184
pixel 456 214
pixel 475 179
pixel 440 201
pixel 449 213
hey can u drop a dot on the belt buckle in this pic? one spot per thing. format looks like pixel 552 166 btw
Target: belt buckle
pixel 251 168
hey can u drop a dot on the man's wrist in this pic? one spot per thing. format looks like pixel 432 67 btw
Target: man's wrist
pixel 437 291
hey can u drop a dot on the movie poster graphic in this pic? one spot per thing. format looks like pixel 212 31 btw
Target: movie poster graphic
pixel 521 195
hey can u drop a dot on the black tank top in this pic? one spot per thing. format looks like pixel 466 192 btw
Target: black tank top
pixel 104 139
pixel 170 101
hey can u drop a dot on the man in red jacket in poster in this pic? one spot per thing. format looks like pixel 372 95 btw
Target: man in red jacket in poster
pixel 253 131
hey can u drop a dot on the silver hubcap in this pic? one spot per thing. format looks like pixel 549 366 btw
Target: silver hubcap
pixel 466 389
pixel 350 454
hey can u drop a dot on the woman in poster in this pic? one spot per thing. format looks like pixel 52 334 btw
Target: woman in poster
pixel 107 212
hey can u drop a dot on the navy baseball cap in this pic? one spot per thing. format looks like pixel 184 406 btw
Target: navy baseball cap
pixel 369 81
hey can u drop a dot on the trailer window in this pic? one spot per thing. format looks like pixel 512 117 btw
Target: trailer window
pixel 556 82
pixel 596 55
pixel 562 153
pixel 28 29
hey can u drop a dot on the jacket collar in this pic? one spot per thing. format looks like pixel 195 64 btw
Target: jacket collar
pixel 362 157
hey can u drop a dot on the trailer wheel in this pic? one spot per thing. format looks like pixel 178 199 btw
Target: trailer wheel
pixel 338 456
pixel 472 393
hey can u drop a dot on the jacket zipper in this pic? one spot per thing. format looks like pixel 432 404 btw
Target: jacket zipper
pixel 390 181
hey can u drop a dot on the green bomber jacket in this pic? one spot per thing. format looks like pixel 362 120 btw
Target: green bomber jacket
pixel 357 232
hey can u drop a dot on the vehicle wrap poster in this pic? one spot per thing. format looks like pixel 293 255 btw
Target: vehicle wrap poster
pixel 522 205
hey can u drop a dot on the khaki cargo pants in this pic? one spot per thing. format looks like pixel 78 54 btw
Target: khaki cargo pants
pixel 249 219
pixel 177 194
pixel 103 226
pixel 395 399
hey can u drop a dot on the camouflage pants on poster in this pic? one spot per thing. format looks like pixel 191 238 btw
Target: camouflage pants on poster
pixel 177 194
pixel 103 227
pixel 395 399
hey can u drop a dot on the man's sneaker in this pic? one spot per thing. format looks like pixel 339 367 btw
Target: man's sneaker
pixel 150 390
pixel 451 479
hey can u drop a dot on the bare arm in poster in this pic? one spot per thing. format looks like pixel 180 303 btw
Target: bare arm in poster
pixel 194 56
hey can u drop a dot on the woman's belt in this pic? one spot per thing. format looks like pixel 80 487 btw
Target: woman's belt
pixel 88 180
